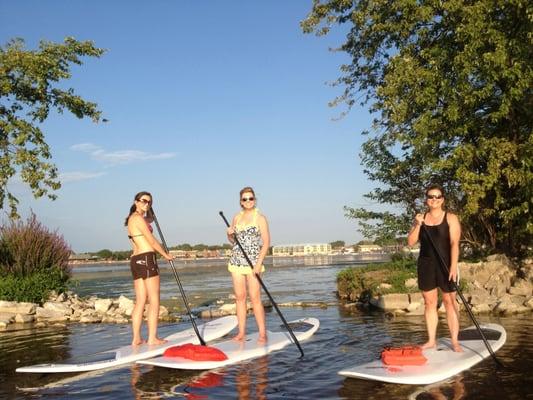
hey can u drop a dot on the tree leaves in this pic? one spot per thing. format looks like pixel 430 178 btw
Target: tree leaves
pixel 28 91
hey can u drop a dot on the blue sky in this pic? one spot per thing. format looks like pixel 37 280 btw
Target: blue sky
pixel 202 99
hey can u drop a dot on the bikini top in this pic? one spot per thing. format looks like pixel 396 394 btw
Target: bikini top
pixel 130 237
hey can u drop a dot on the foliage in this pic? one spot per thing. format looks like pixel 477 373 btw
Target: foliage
pixel 337 244
pixel 29 247
pixel 33 288
pixel 362 282
pixel 29 89
pixel 450 85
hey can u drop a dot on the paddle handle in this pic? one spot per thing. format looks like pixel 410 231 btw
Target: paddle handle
pixel 250 264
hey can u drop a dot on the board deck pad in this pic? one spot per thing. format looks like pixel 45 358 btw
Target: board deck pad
pixel 442 361
pixel 238 351
pixel 211 330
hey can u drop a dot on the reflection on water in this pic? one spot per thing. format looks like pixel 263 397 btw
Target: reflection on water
pixel 345 338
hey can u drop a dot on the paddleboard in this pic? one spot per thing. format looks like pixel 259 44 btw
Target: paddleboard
pixel 442 361
pixel 127 354
pixel 237 351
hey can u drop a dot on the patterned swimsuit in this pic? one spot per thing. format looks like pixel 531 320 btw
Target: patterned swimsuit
pixel 250 239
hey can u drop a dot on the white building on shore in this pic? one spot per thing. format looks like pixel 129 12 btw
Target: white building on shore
pixel 304 249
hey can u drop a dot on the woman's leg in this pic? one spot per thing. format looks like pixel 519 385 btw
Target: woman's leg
pixel 259 312
pixel 452 315
pixel 431 315
pixel 152 286
pixel 239 287
pixel 138 310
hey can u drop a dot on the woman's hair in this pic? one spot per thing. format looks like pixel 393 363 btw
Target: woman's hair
pixel 246 189
pixel 133 206
pixel 435 186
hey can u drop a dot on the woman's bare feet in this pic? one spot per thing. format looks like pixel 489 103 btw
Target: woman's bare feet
pixel 156 341
pixel 457 347
pixel 262 339
pixel 428 345
pixel 239 337
pixel 138 342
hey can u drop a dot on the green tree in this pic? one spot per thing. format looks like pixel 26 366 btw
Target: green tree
pixel 29 89
pixel 337 243
pixel 105 254
pixel 449 84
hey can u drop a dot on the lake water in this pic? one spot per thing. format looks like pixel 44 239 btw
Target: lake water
pixel 345 338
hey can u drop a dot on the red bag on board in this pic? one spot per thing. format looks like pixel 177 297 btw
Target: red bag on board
pixel 406 355
pixel 196 352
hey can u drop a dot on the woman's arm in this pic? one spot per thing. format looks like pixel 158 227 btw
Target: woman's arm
pixel 265 238
pixel 455 237
pixel 231 230
pixel 414 233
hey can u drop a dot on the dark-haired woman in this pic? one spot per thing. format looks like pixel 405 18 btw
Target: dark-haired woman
pixel 445 231
pixel 251 228
pixel 144 269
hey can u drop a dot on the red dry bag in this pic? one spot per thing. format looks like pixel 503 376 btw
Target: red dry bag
pixel 407 355
pixel 196 352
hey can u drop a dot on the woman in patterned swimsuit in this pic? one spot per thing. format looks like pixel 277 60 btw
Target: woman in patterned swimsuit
pixel 251 228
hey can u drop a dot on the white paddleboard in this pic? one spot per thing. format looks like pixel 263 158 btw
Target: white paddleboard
pixel 127 354
pixel 442 361
pixel 239 351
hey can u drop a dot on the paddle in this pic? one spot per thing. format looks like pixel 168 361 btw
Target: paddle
pixel 202 341
pixel 265 289
pixel 456 287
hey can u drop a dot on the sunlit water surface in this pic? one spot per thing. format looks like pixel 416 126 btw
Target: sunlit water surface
pixel 345 338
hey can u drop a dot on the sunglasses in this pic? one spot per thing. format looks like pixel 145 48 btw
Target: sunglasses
pixel 144 201
pixel 248 199
pixel 434 196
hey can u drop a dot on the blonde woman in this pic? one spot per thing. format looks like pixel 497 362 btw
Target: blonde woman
pixel 251 229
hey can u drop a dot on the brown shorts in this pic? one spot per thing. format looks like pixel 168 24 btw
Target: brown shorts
pixel 144 265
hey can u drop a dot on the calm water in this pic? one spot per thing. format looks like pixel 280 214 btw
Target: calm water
pixel 345 338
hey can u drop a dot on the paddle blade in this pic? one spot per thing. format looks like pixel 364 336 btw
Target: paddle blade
pixel 196 352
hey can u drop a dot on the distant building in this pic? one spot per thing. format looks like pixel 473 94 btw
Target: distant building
pixel 305 249
pixel 368 248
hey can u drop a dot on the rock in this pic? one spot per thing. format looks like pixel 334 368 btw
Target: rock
pixel 228 309
pixel 411 283
pixel 384 286
pixel 125 305
pixel 3 325
pixel 62 308
pixel 416 308
pixel 102 305
pixel 520 287
pixel 24 318
pixel 14 307
pixel 52 315
pixel 7 317
pixel 90 319
pixel 391 301
pixel 481 309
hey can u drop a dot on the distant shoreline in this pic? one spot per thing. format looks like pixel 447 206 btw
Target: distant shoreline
pixel 269 260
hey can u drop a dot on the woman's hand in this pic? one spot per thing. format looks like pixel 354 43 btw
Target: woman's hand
pixel 257 269
pixel 452 277
pixel 230 231
pixel 419 219
pixel 168 257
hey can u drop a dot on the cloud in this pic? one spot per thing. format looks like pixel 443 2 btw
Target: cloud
pixel 119 157
pixel 76 176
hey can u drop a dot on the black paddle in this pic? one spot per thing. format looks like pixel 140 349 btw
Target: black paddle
pixel 456 287
pixel 265 289
pixel 202 341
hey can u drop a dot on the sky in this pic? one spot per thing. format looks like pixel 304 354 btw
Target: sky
pixel 202 99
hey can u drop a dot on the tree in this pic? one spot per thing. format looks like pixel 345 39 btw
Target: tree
pixel 449 84
pixel 337 244
pixel 29 89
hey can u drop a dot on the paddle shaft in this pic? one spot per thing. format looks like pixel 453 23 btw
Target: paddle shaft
pixel 456 287
pixel 176 276
pixel 250 264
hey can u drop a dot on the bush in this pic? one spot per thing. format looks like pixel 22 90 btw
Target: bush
pixel 34 288
pixel 33 261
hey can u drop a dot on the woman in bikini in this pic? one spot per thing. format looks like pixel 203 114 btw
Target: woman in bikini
pixel 445 231
pixel 251 228
pixel 144 268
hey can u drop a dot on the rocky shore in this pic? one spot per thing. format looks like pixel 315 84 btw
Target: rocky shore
pixel 495 285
